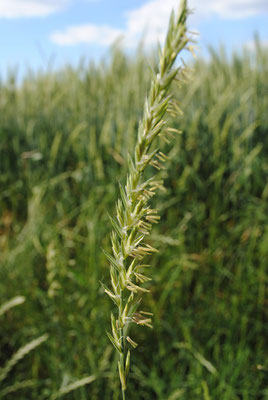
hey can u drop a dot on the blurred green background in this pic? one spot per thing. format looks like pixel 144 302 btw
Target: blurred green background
pixel 64 139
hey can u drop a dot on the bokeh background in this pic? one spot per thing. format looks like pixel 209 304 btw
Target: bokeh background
pixel 74 75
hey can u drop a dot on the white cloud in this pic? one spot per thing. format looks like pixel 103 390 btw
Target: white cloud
pixel 29 8
pixel 88 33
pixel 152 18
pixel 154 15
pixel 230 9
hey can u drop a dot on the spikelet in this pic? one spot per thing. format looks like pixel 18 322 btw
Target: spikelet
pixel 134 216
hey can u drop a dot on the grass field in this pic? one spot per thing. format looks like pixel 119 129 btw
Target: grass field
pixel 64 139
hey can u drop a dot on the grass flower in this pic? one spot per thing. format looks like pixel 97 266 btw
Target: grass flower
pixel 134 215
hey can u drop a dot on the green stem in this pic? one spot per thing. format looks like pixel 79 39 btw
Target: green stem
pixel 122 340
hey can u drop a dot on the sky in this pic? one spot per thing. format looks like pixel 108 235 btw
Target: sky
pixel 42 34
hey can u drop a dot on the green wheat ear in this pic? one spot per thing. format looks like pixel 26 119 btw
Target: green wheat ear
pixel 134 216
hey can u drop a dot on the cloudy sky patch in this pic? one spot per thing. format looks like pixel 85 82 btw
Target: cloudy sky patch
pixel 29 8
pixel 34 30
pixel 151 19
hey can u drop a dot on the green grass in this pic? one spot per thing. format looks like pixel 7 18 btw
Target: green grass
pixel 64 139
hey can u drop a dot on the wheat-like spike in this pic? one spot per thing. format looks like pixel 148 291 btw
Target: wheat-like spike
pixel 20 354
pixel 73 386
pixel 16 301
pixel 17 386
pixel 134 217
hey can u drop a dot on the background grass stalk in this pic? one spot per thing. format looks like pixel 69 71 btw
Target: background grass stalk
pixel 134 216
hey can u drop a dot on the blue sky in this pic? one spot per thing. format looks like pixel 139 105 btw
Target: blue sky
pixel 42 33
